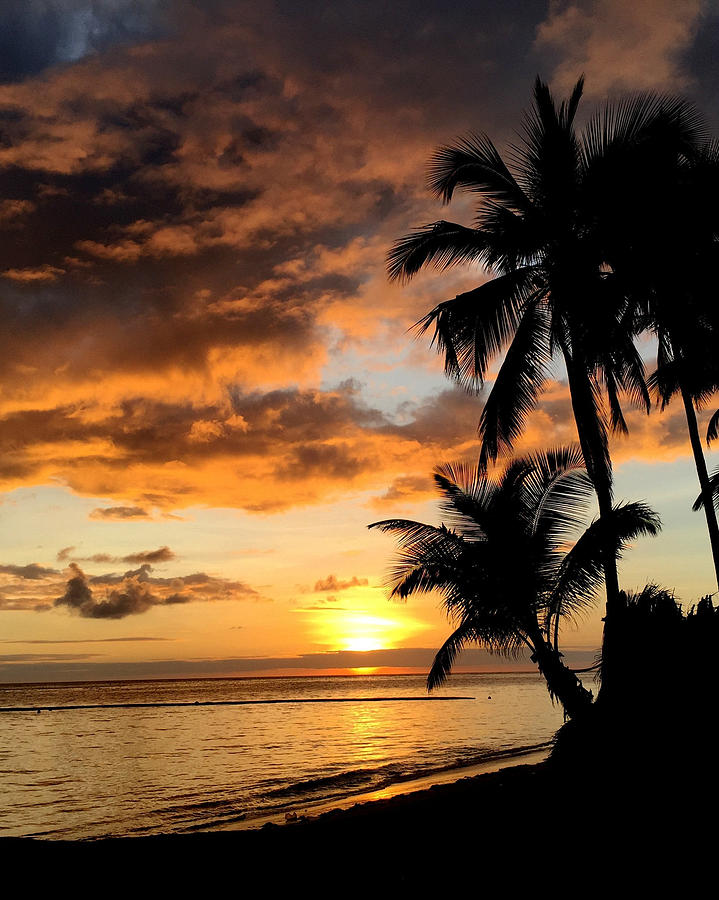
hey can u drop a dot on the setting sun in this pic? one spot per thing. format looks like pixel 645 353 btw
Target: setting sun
pixel 360 631
pixel 363 643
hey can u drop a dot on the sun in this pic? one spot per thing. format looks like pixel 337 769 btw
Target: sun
pixel 362 643
pixel 361 631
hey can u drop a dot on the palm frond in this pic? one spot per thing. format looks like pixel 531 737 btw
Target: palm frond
pixel 641 122
pixel 713 428
pixel 447 654
pixel 548 154
pixel 518 384
pixel 442 244
pixel 560 493
pixel 474 327
pixel 468 497
pixel 580 574
pixel 713 487
pixel 568 109
pixel 474 164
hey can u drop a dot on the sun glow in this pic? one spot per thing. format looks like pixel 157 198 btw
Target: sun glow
pixel 362 632
pixel 362 643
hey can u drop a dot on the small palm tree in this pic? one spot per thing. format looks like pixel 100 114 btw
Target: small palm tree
pixel 503 565
pixel 545 229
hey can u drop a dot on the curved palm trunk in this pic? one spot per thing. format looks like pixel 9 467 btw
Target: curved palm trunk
pixel 701 466
pixel 562 683
pixel 592 442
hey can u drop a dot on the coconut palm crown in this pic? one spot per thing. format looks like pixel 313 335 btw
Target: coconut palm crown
pixel 514 560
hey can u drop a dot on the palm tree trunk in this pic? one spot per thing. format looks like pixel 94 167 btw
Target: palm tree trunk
pixel 701 466
pixel 592 443
pixel 562 683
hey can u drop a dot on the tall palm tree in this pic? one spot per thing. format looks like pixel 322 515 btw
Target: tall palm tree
pixel 682 373
pixel 671 270
pixel 502 566
pixel 542 231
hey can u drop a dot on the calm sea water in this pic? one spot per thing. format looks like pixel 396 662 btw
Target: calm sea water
pixel 89 773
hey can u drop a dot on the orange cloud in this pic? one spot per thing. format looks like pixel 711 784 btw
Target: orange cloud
pixel 28 276
pixel 618 45
pixel 220 227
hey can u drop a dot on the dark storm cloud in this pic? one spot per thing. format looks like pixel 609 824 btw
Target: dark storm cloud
pixel 294 421
pixel 110 176
pixel 214 208
pixel 328 460
pixel 133 598
pixel 113 595
pixel 32 572
pixel 138 591
pixel 36 34
pixel 270 450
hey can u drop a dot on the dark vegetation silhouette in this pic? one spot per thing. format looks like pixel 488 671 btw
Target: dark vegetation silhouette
pixel 653 723
pixel 589 238
pixel 544 231
pixel 668 263
pixel 501 564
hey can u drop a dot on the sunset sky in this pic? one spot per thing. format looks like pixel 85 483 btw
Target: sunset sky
pixel 207 385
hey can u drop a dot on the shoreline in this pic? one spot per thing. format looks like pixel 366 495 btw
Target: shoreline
pixel 396 790
pixel 497 831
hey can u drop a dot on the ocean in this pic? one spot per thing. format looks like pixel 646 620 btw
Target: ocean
pixel 148 757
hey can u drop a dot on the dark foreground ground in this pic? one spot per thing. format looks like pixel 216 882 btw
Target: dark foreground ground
pixel 524 829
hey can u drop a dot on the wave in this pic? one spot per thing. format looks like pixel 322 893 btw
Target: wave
pixel 365 780
pixel 267 801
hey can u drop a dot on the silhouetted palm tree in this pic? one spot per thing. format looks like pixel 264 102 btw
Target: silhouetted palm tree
pixel 502 563
pixel 543 230
pixel 694 377
pixel 675 262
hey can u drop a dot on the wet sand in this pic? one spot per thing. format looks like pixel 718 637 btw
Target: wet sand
pixel 397 789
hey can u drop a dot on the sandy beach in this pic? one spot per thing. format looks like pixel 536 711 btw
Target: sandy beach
pixel 500 830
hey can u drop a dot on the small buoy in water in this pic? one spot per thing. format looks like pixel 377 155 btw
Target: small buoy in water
pixel 490 697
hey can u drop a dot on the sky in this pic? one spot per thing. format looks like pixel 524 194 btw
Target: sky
pixel 208 387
